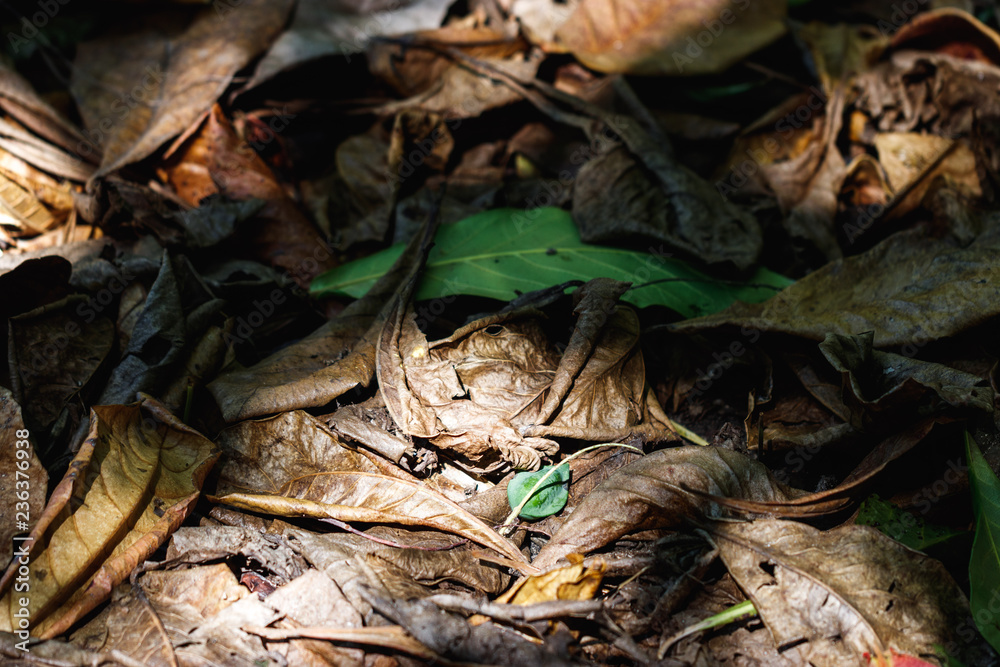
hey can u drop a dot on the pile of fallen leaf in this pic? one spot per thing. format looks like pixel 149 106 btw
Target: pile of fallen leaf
pixel 508 332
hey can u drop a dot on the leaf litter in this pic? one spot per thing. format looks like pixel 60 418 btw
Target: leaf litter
pixel 293 342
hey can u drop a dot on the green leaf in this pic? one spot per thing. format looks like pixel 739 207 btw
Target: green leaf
pixel 549 498
pixel 984 566
pixel 506 252
pixel 901 525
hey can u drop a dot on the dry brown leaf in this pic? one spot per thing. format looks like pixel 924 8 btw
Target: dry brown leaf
pixel 23 479
pixel 313 600
pixel 132 483
pixel 322 28
pixel 539 20
pixel 20 208
pixel 952 31
pixel 137 91
pixel 422 69
pixel 262 456
pixel 807 186
pixel 490 392
pixel 203 610
pixel 455 638
pixel 656 492
pixel 56 353
pixel 830 597
pixel 359 200
pixel 57 195
pixel 214 160
pixel 912 161
pixel 904 289
pixel 129 626
pixel 883 387
pixel 669 37
pixel 659 202
pixel 335 358
pixel 20 100
pixel 371 498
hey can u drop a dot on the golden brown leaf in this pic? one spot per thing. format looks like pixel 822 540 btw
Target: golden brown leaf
pixel 132 483
pixel 370 498
pixel 669 37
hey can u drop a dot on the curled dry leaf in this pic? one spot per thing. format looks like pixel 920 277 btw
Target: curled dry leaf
pixel 830 597
pixel 656 492
pixel 132 483
pixel 573 582
pixel 490 391
pixel 913 161
pixel 422 68
pixel 370 498
pixel 335 358
pixel 215 161
pixel 262 456
pixel 880 384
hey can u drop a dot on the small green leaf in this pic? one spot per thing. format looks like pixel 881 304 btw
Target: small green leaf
pixel 984 565
pixel 504 252
pixel 549 498
pixel 901 525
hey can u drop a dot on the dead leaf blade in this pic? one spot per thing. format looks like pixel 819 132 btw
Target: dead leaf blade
pixel 128 489
pixel 370 498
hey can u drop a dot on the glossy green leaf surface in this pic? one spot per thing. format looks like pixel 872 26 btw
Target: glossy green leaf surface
pixel 548 499
pixel 506 252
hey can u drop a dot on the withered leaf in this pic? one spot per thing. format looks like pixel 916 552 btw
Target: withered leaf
pixel 214 160
pixel 322 28
pixel 203 610
pixel 659 201
pixel 490 392
pixel 465 391
pixel 188 66
pixel 56 352
pixel 262 456
pixel 132 483
pixel 25 483
pixel 655 492
pixel 904 289
pixel 828 597
pixel 674 37
pixel 176 314
pixel 335 358
pixel 877 382
pixel 370 498
pixel 456 638
pixel 436 83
